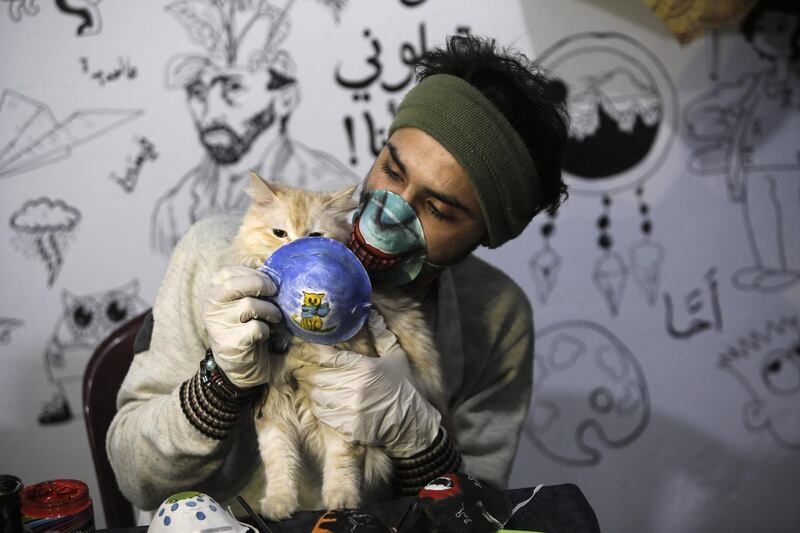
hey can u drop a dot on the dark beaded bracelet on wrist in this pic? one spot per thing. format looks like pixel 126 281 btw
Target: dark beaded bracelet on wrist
pixel 413 473
pixel 210 402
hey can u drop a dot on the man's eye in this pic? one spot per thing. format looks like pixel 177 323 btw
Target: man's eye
pixel 278 233
pixel 389 172
pixel 438 214
pixel 195 91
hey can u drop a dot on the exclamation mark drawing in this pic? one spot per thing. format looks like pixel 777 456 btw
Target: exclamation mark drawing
pixel 348 126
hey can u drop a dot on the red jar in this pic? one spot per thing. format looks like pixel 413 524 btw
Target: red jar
pixel 60 505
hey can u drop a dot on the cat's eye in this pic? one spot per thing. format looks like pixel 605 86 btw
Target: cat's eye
pixel 279 233
pixel 315 234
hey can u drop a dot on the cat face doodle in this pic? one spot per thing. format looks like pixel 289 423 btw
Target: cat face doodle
pixel 768 366
pixel 591 393
pixel 90 318
pixel 622 106
pixel 86 320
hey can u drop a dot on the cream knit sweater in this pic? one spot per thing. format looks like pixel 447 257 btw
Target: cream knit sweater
pixel 483 324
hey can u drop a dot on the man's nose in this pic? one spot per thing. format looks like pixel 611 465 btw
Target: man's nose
pixel 216 108
pixel 406 190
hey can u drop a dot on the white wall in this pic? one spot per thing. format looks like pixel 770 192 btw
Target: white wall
pixel 658 435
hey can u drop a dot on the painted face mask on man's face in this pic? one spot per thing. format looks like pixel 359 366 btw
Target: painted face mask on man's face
pixel 387 238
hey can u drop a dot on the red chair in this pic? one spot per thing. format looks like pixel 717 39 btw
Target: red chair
pixel 101 382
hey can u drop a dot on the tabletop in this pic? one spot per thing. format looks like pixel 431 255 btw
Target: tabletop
pixel 547 508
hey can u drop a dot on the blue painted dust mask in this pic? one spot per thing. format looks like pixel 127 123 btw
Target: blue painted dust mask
pixel 388 239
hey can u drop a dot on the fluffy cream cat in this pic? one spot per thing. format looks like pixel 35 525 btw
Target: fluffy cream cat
pixel 295 448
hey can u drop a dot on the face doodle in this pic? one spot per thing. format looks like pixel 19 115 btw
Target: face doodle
pixel 579 359
pixel 767 364
pixel 230 111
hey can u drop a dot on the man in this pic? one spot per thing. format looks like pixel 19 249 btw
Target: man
pixel 474 153
pixel 239 131
pixel 748 122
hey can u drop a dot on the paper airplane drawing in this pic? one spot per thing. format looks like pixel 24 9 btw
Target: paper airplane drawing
pixel 31 137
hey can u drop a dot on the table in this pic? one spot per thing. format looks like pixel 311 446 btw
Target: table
pixel 553 509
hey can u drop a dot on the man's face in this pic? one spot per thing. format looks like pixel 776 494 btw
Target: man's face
pixel 773 34
pixel 415 166
pixel 230 110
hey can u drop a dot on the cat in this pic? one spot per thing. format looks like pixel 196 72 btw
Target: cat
pixel 289 437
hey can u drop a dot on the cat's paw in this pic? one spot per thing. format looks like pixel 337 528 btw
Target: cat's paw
pixel 341 499
pixel 279 506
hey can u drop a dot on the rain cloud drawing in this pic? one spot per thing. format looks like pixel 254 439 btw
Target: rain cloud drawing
pixel 31 137
pixel 43 228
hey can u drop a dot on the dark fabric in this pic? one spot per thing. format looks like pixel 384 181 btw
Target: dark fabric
pixel 554 509
pixel 142 341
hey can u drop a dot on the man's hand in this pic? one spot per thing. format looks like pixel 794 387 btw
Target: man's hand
pixel 233 314
pixel 369 400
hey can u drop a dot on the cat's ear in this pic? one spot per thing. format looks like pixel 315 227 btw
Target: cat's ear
pixel 67 298
pixel 342 201
pixel 261 191
pixel 132 287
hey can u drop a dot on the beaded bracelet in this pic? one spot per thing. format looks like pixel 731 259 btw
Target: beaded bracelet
pixel 210 402
pixel 413 473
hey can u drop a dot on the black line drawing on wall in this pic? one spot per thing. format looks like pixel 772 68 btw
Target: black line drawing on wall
pixel 84 322
pixel 19 8
pixel 241 90
pixel 44 228
pixel 701 310
pixel 766 363
pixel 610 273
pixel 130 178
pixel 7 326
pixel 590 388
pixel 747 130
pixel 31 137
pixel 375 74
pixel 546 263
pixel 124 70
pixel 623 109
pixel 86 10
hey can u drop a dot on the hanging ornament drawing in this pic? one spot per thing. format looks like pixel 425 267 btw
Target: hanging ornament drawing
pixel 545 263
pixel 623 112
pixel 610 275
pixel 646 256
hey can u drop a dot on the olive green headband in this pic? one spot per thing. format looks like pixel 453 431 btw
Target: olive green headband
pixel 486 145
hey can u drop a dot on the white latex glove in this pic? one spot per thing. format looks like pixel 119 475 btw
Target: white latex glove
pixel 369 400
pixel 234 315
